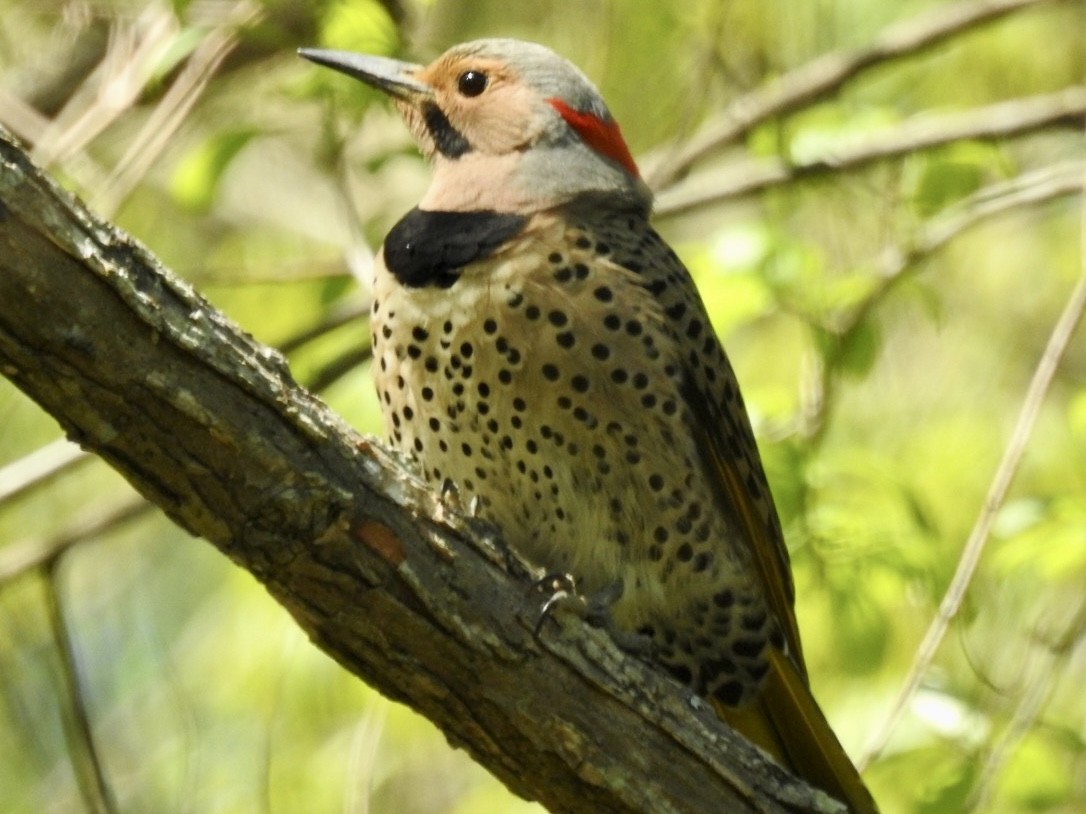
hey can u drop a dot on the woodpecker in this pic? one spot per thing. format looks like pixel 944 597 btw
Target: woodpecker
pixel 536 343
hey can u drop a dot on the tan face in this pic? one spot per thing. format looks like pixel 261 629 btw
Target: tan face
pixel 483 100
pixel 509 125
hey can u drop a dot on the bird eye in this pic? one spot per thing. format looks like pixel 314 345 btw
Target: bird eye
pixel 471 83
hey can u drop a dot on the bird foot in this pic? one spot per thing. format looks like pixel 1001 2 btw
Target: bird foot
pixel 449 509
pixel 451 499
pixel 594 609
pixel 563 597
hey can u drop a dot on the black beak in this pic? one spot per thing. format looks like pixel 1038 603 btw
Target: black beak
pixel 392 76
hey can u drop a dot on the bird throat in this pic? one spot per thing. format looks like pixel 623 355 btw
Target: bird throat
pixel 428 248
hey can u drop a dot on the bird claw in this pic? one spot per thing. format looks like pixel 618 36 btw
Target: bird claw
pixel 594 609
pixel 450 502
pixel 450 496
pixel 563 596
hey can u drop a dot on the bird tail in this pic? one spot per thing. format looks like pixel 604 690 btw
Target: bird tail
pixel 786 721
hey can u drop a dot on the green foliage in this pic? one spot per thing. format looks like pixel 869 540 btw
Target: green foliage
pixel 1057 528
pixel 947 176
pixel 883 380
pixel 853 354
pixel 1034 779
pixel 358 25
pixel 197 176
pixel 728 274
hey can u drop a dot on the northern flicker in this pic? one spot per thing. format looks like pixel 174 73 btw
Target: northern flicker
pixel 538 344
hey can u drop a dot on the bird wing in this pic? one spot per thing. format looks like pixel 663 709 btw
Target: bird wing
pixel 733 467
pixel 784 719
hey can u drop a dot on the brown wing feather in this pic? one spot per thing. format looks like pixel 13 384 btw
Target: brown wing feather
pixel 784 719
pixel 761 527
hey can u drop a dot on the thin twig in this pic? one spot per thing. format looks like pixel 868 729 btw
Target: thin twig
pixel 1019 117
pixel 899 264
pixel 822 77
pixel 1054 351
pixel 345 315
pixel 333 371
pixel 364 751
pixel 26 556
pixel 1028 189
pixel 90 774
pixel 1038 691
pixel 39 467
pixel 112 88
pixel 22 118
pixel 175 105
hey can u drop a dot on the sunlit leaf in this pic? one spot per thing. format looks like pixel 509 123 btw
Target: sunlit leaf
pixel 948 786
pixel 197 176
pixel 855 352
pixel 1050 543
pixel 733 299
pixel 1076 415
pixel 861 622
pixel 358 25
pixel 1036 777
pixel 950 174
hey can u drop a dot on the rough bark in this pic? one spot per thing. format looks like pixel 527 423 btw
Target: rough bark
pixel 404 592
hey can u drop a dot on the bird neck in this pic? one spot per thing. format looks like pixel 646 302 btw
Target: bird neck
pixel 536 180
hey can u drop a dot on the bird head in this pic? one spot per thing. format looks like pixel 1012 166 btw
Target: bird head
pixel 509 126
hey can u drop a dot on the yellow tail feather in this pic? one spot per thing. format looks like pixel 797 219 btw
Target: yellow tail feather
pixel 786 722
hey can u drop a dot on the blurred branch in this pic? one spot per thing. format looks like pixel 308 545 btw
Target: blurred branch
pixel 39 467
pixel 23 119
pixel 422 603
pixel 330 322
pixel 899 263
pixel 1057 345
pixel 1029 189
pixel 48 83
pixel 76 52
pixel 112 88
pixel 171 110
pixel 90 776
pixel 339 367
pixel 22 557
pixel 821 78
pixel 107 90
pixel 1039 687
pixel 1066 108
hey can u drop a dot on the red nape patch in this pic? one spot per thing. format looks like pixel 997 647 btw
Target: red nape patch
pixel 603 137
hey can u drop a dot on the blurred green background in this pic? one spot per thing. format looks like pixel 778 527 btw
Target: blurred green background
pixel 883 379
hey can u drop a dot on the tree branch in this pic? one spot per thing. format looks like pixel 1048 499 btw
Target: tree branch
pixel 423 604
pixel 1059 340
pixel 21 557
pixel 822 77
pixel 1066 108
pixel 899 263
pixel 38 468
pixel 94 787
